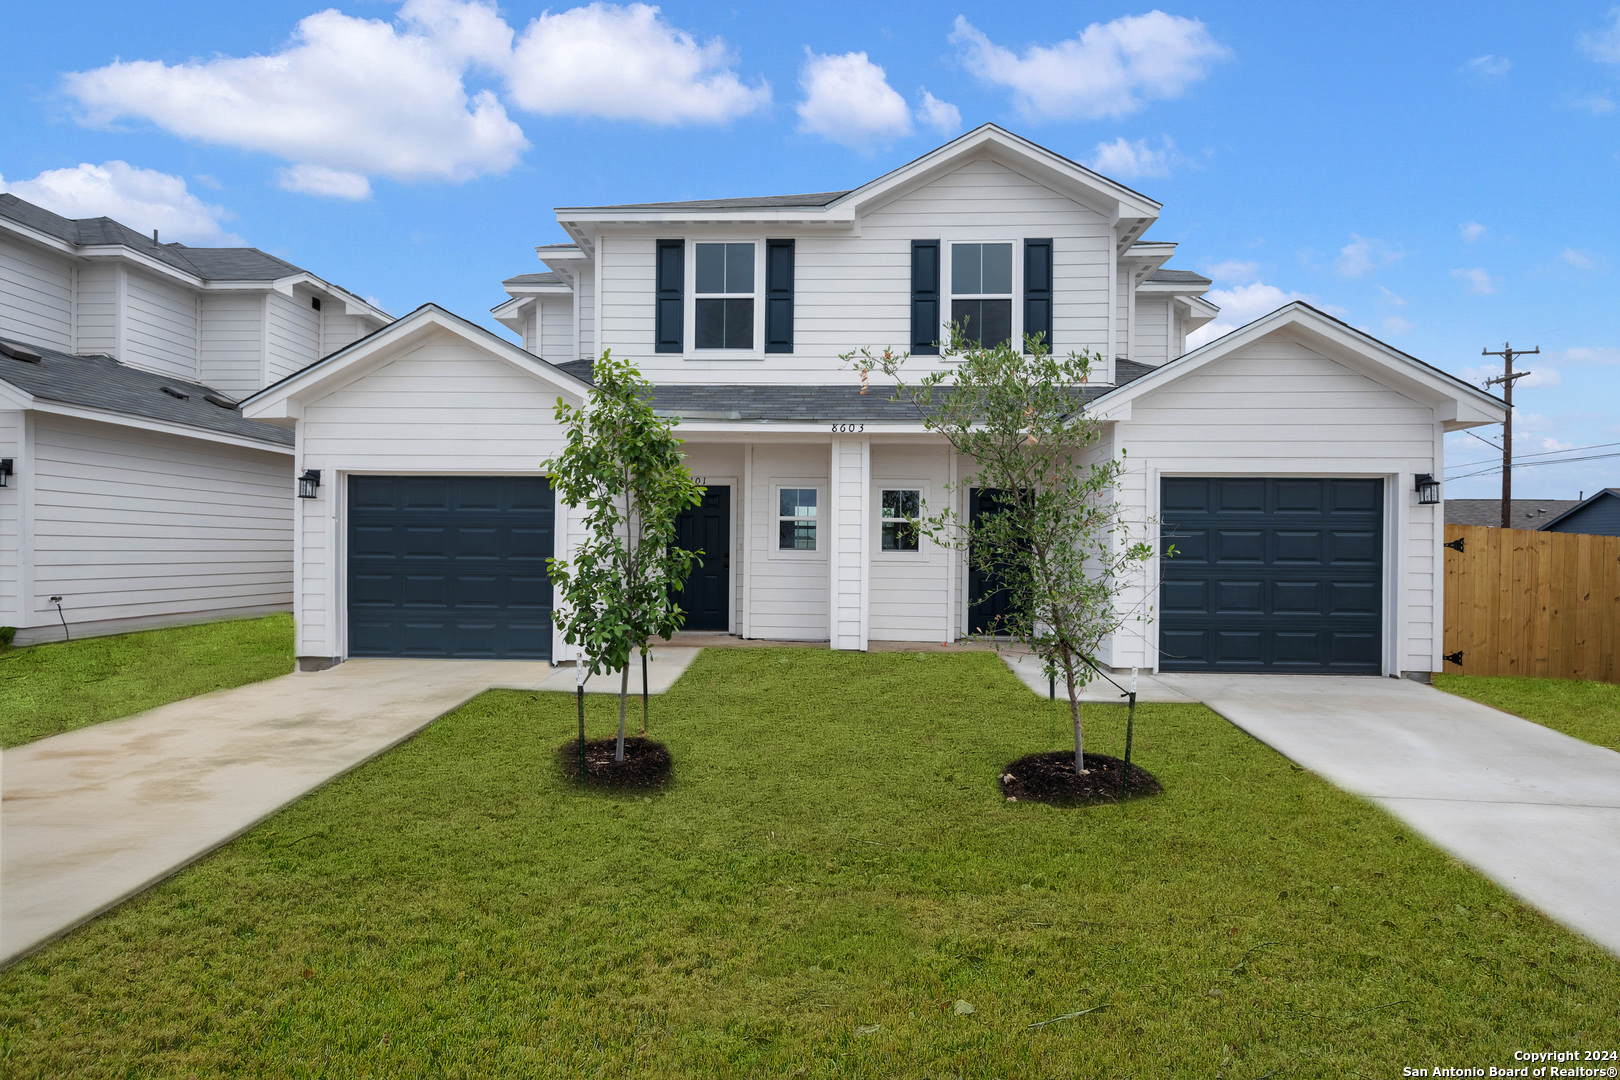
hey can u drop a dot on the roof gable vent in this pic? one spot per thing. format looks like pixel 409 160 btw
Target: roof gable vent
pixel 17 352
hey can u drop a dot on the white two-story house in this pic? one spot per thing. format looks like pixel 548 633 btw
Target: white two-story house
pixel 133 493
pixel 1283 460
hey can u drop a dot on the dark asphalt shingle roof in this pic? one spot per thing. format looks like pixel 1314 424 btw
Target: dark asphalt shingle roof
pixel 208 263
pixel 1179 277
pixel 1527 513
pixel 758 202
pixel 546 278
pixel 100 382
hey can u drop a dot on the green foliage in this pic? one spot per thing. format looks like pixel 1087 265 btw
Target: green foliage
pixel 622 465
pixel 49 689
pixel 1059 541
pixel 8 634
pixel 833 855
pixel 1584 710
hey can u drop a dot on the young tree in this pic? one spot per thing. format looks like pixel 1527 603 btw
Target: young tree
pixel 1057 539
pixel 622 466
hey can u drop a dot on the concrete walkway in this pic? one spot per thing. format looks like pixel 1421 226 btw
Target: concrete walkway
pixel 94 816
pixel 1533 810
pixel 1149 687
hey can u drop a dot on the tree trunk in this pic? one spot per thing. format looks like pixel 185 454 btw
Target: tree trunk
pixel 1074 714
pixel 624 699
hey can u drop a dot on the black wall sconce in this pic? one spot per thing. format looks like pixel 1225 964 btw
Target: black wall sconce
pixel 1428 489
pixel 5 472
pixel 309 484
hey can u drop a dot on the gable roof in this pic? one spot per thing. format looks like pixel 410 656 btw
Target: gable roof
pixel 1606 493
pixel 756 202
pixel 103 384
pixel 548 277
pixel 1527 513
pixel 1179 277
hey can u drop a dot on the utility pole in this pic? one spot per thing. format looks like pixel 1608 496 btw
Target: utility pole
pixel 1509 377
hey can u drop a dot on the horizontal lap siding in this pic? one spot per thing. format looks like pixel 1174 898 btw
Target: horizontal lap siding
pixel 98 309
pixel 855 291
pixel 11 437
pixel 910 598
pixel 131 524
pixel 233 342
pixel 787 596
pixel 36 296
pixel 1152 344
pixel 556 328
pixel 587 316
pixel 338 329
pixel 294 330
pixel 161 334
pixel 1278 408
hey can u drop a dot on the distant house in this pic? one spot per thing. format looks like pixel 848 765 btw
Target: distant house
pixel 1527 513
pixel 134 493
pixel 1596 516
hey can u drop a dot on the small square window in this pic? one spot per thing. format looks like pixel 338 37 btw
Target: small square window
pixel 796 514
pixel 901 508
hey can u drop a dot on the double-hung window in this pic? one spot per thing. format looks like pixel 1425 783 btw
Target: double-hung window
pixel 982 291
pixel 724 315
pixel 796 519
pixel 901 508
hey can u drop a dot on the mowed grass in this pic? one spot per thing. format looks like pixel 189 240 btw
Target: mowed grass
pixel 52 688
pixel 831 872
pixel 1586 710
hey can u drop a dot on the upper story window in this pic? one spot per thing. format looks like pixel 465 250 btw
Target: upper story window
pixel 724 316
pixel 982 291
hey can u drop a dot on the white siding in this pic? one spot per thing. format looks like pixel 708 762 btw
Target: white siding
pixel 36 296
pixel 854 291
pixel 1178 332
pixel 1278 408
pixel 131 524
pixel 556 339
pixel 530 334
pixel 787 591
pixel 1122 315
pixel 587 315
pixel 294 329
pixel 721 465
pixel 98 309
pixel 338 329
pixel 233 342
pixel 910 590
pixel 1152 345
pixel 160 332
pixel 445 407
pixel 848 540
pixel 11 500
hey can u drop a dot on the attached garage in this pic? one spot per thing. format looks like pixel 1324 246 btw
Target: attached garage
pixel 450 566
pixel 1279 574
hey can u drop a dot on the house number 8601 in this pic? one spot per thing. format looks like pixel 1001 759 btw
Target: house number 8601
pixel 849 429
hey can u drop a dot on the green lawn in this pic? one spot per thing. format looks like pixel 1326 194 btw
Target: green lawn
pixel 831 872
pixel 49 689
pixel 1586 710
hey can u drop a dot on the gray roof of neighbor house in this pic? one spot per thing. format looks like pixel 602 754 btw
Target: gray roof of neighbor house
pixel 545 278
pixel 1527 513
pixel 805 403
pixel 757 202
pixel 102 383
pixel 1600 521
pixel 1179 277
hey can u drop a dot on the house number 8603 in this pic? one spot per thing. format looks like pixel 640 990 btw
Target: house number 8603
pixel 849 429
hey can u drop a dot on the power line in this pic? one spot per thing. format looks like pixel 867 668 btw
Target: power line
pixel 1545 453
pixel 1533 464
pixel 1506 381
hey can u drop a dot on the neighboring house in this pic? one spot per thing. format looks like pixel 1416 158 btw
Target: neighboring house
pixel 1596 516
pixel 1280 459
pixel 134 490
pixel 1527 513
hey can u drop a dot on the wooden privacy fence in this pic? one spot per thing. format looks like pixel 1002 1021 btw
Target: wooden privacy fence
pixel 1521 602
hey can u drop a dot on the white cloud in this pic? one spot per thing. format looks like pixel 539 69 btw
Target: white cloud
pixel 1478 280
pixel 1598 104
pixel 319 180
pixel 355 95
pixel 942 116
pixel 1243 304
pixel 1471 231
pixel 1234 271
pixel 626 63
pixel 1488 66
pixel 1389 297
pixel 1583 260
pixel 1110 70
pixel 143 199
pixel 848 100
pixel 1394 324
pixel 1551 445
pixel 1129 160
pixel 1604 44
pixel 1361 256
pixel 1606 355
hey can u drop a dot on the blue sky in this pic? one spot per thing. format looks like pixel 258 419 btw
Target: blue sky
pixel 1445 176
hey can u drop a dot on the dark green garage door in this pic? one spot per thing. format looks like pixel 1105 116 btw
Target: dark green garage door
pixel 1272 575
pixel 450 566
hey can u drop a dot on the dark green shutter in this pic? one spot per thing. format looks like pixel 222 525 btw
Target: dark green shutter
pixel 1038 291
pixel 671 273
pixel 925 297
pixel 779 296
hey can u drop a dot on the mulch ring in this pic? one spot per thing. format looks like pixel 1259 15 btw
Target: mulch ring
pixel 646 763
pixel 1050 778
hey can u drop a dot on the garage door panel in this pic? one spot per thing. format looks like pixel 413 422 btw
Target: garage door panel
pixel 1291 578
pixel 450 567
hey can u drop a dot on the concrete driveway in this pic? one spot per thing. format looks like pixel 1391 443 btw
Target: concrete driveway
pixel 94 816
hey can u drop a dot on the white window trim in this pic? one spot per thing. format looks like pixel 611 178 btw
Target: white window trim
pixel 689 303
pixel 949 293
pixel 879 486
pixel 773 541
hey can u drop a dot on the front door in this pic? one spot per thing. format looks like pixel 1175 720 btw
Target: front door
pixel 988 598
pixel 707 528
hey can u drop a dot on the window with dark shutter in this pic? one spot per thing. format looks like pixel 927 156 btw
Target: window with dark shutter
pixel 671 283
pixel 779 296
pixel 925 297
pixel 1038 291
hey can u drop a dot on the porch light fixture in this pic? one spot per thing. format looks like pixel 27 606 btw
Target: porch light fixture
pixel 1428 489
pixel 5 471
pixel 309 484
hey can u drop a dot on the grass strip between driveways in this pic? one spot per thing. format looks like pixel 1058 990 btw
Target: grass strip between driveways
pixel 1585 710
pixel 52 688
pixel 831 874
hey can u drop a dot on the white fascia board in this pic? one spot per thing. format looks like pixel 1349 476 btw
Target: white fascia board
pixel 142 423
pixel 531 291
pixel 284 399
pixel 15 397
pixel 1172 288
pixel 511 314
pixel 1198 310
pixel 755 429
pixel 352 304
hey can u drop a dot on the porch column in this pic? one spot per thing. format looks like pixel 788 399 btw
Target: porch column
pixel 849 553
